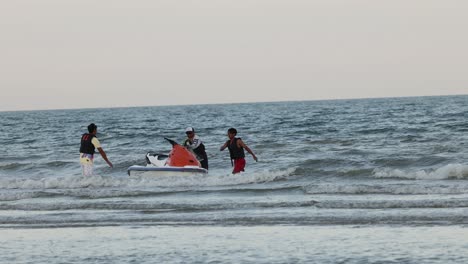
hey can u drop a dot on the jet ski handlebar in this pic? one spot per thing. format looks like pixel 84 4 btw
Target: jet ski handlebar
pixel 173 143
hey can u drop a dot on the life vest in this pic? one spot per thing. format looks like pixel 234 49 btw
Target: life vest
pixel 86 144
pixel 200 152
pixel 235 151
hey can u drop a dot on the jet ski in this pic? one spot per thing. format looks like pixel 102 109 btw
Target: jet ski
pixel 180 161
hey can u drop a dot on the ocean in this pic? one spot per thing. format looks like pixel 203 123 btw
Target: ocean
pixel 337 181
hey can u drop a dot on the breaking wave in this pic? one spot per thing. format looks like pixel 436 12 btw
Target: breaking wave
pixel 382 188
pixel 110 186
pixel 450 171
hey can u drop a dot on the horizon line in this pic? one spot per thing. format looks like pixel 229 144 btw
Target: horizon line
pixel 232 103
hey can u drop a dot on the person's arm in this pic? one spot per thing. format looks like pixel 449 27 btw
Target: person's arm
pixel 223 147
pixel 97 145
pixel 241 143
pixel 104 156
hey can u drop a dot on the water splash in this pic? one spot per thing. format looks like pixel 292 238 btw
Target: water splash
pixel 450 171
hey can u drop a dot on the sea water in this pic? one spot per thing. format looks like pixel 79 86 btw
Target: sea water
pixel 342 181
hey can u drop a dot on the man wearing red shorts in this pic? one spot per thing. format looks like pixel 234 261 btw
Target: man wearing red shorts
pixel 236 150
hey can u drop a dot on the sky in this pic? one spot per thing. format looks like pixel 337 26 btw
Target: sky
pixel 58 54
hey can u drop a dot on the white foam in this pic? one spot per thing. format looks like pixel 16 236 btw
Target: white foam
pixel 12 196
pixel 385 188
pixel 450 171
pixel 215 178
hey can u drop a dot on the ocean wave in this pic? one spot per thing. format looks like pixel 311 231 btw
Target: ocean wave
pixel 13 196
pixel 355 172
pixel 450 171
pixel 77 182
pixel 324 162
pixel 409 161
pixel 190 206
pixel 20 166
pixel 331 141
pixel 240 217
pixel 386 188
pixel 149 207
pixel 393 204
pixel 11 165
pixel 373 131
pixel 83 193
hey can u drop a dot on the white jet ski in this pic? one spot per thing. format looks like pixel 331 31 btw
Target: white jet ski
pixel 180 161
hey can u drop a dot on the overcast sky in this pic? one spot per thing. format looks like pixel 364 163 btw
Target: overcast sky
pixel 107 53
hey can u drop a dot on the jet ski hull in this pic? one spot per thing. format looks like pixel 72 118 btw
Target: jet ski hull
pixel 137 170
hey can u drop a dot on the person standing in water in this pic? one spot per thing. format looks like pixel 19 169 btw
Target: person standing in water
pixel 236 150
pixel 89 144
pixel 195 144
